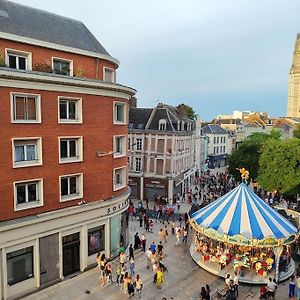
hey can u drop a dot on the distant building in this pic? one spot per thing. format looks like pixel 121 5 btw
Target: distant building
pixel 161 152
pixel 201 149
pixel 219 145
pixel 293 108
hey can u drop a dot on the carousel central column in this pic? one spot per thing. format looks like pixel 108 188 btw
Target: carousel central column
pixel 277 251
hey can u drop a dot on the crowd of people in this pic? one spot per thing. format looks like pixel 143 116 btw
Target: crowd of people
pixel 166 220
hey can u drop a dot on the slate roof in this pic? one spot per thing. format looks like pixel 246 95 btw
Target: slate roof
pixel 41 25
pixel 148 118
pixel 213 129
pixel 138 117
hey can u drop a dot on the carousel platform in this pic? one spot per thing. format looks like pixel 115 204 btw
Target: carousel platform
pixel 249 276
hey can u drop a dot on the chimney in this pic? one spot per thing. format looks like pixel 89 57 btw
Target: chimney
pixel 132 102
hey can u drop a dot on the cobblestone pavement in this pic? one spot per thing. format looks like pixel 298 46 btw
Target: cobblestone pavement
pixel 183 280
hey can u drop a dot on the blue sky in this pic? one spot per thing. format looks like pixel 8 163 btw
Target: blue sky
pixel 215 55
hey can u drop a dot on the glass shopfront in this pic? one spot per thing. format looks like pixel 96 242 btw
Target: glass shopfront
pixel 96 239
pixel 115 232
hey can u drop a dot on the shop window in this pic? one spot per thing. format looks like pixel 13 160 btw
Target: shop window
pixel 96 239
pixel 19 265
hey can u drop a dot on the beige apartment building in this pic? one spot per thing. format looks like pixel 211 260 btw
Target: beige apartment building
pixel 161 152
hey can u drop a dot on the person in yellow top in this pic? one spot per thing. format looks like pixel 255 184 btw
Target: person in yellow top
pixel 138 285
pixel 159 278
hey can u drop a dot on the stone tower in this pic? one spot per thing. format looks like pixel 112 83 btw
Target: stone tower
pixel 293 109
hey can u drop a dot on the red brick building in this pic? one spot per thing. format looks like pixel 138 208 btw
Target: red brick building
pixel 63 137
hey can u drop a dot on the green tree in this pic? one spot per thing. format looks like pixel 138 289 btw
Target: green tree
pixel 247 154
pixel 296 131
pixel 279 166
pixel 187 111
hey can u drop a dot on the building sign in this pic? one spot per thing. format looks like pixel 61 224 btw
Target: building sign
pixel 114 208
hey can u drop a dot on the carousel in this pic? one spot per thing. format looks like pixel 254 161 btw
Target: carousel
pixel 240 232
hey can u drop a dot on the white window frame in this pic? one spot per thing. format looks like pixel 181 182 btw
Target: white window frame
pixel 79 150
pixel 38 108
pixel 115 103
pixel 124 148
pixel 30 163
pixel 80 187
pixel 27 55
pixel 113 74
pixel 28 205
pixel 117 187
pixel 162 125
pixel 136 163
pixel 139 144
pixel 77 120
pixel 62 59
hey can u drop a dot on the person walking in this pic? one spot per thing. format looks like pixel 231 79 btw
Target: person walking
pixel 143 242
pixel 102 264
pixel 271 287
pixel 236 283
pixel 138 285
pixel 292 286
pixel 108 274
pixel 132 266
pixel 131 254
pixel 148 255
pixel 203 294
pixel 159 278
pixel 166 234
pixel 122 258
pixel 137 241
pixel 118 275
pixel 178 234
pixel 130 287
pixel 125 283
pixel 207 292
pixel 185 235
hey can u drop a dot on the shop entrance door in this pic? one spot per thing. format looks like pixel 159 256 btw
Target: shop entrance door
pixel 71 254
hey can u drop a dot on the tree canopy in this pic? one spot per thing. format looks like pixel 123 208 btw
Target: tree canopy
pixel 187 111
pixel 279 166
pixel 296 131
pixel 247 154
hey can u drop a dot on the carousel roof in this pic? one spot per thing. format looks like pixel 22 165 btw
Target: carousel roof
pixel 242 212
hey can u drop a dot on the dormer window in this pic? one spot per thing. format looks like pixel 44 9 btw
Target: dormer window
pixel 162 125
pixel 62 66
pixel 19 60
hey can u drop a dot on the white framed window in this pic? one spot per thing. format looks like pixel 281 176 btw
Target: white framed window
pixel 20 265
pixel 119 178
pixel 28 194
pixel 139 144
pixel 17 59
pixel 25 108
pixel 162 124
pixel 109 75
pixel 119 146
pixel 119 113
pixel 71 187
pixel 69 110
pixel 27 152
pixel 70 149
pixel 62 66
pixel 138 164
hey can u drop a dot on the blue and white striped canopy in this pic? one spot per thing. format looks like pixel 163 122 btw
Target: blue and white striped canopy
pixel 241 211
